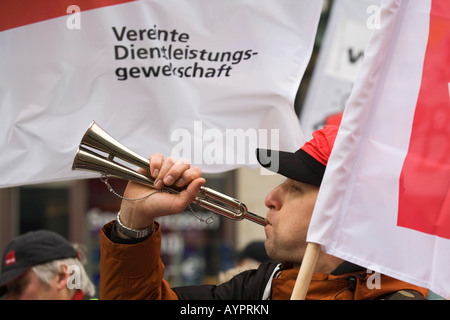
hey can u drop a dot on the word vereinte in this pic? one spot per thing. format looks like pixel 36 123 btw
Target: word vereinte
pixel 150 34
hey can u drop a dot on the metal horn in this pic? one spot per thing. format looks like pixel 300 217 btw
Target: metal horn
pixel 88 159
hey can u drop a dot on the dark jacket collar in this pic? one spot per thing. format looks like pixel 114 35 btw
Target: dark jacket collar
pixel 347 267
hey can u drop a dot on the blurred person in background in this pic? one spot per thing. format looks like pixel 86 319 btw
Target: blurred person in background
pixel 249 258
pixel 43 265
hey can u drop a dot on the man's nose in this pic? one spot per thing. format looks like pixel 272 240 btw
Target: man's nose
pixel 273 199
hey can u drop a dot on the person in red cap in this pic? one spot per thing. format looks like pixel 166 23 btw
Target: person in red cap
pixel 43 265
pixel 131 267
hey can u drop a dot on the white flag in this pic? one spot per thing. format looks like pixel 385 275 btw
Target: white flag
pixel 385 198
pixel 204 80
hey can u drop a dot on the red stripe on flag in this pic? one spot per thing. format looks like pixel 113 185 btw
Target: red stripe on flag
pixel 17 13
pixel 424 198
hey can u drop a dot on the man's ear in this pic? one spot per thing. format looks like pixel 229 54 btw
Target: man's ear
pixel 62 277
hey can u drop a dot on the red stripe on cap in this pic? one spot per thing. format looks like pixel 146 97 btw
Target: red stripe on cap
pixel 320 146
pixel 17 13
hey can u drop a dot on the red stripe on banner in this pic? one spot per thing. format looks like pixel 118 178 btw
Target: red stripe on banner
pixel 17 13
pixel 424 198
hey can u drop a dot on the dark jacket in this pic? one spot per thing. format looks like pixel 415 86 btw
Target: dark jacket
pixel 135 271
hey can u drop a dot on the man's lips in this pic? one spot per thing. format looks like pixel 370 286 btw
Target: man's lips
pixel 268 222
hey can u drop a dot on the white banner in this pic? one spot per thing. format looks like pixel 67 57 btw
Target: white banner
pixel 204 80
pixel 341 54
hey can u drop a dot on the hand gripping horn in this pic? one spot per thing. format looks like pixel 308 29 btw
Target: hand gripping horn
pixel 96 139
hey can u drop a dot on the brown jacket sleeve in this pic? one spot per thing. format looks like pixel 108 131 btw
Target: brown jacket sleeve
pixel 132 271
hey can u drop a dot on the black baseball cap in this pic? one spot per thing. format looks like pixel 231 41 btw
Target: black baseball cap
pixel 31 249
pixel 307 164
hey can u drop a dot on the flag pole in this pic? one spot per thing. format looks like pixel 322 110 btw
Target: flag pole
pixel 306 271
